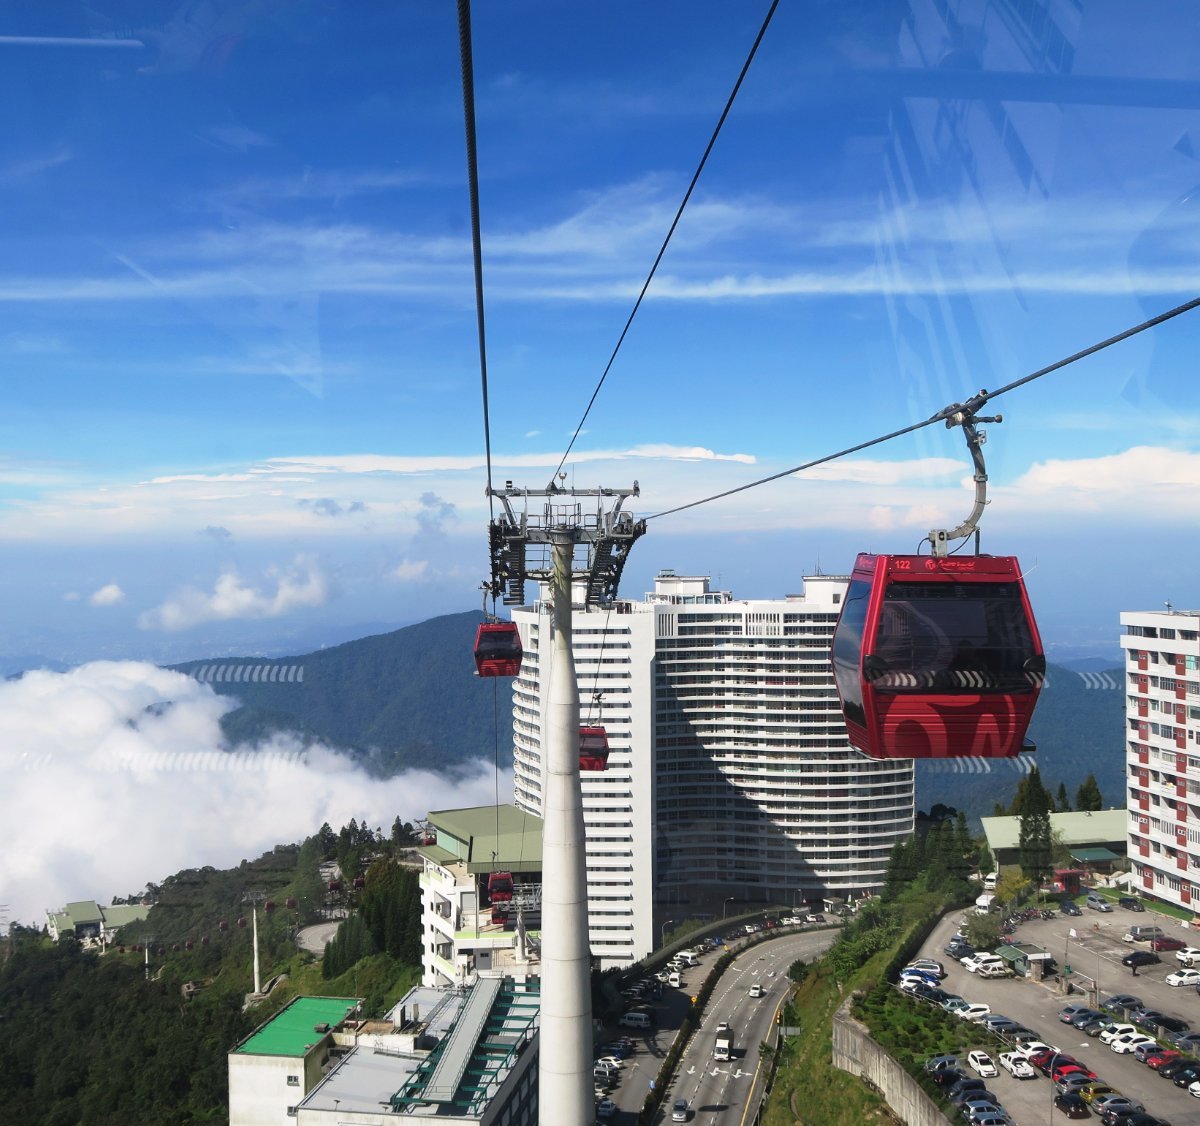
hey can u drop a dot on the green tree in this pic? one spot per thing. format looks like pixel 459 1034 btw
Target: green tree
pixel 1061 802
pixel 1034 840
pixel 1088 796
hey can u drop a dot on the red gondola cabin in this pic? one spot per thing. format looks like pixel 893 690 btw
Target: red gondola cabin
pixel 593 748
pixel 937 657
pixel 500 887
pixel 497 649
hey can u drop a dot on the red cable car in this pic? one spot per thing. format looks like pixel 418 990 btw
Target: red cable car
pixel 593 748
pixel 500 887
pixel 497 649
pixel 937 657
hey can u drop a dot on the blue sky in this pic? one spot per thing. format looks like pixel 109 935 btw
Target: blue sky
pixel 238 332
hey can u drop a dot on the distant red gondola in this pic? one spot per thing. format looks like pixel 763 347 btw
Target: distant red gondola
pixel 937 657
pixel 497 649
pixel 500 887
pixel 593 748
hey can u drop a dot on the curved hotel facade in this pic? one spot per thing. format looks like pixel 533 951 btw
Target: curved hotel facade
pixel 730 780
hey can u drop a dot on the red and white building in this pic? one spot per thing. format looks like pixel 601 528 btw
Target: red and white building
pixel 1162 718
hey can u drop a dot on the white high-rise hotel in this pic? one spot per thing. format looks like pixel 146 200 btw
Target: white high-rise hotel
pixel 730 779
pixel 1162 719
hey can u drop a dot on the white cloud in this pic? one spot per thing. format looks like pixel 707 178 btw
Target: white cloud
pixel 71 596
pixel 865 472
pixel 116 775
pixel 411 570
pixel 302 585
pixel 108 595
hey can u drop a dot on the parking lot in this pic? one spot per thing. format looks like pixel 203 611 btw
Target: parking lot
pixel 1093 946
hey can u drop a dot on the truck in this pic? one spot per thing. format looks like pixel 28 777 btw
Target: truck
pixel 723 1045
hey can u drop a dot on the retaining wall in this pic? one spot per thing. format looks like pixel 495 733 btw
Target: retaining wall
pixel 854 1051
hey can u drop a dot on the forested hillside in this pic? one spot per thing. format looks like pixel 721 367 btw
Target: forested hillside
pixel 1079 729
pixel 397 701
pixel 87 1037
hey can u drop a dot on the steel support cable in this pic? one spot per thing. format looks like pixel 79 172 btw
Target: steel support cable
pixel 976 402
pixel 468 88
pixel 663 249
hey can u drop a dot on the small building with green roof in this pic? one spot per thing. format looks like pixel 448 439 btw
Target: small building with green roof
pixel 273 1068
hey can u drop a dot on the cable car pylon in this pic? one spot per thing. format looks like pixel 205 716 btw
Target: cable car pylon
pixel 543 546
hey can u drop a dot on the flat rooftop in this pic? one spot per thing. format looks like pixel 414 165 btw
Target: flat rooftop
pixel 292 1031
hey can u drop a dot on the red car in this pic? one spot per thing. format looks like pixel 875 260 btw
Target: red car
pixel 1156 1060
pixel 1074 1067
pixel 1166 942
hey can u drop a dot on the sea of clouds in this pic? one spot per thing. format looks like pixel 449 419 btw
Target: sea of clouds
pixel 116 774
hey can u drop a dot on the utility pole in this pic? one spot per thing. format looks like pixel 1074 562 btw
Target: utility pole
pixel 543 546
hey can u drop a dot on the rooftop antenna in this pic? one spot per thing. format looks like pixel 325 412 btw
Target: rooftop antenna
pixel 1169 607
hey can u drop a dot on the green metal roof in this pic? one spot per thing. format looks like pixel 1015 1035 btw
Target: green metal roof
pixel 471 835
pixel 1093 855
pixel 1076 828
pixel 84 911
pixel 122 914
pixel 292 1031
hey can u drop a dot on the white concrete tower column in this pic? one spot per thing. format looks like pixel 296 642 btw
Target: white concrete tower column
pixel 565 1092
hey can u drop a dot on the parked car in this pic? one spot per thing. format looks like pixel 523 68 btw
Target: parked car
pixel 948 1077
pixel 606 1108
pixel 1141 958
pixel 974 1012
pixel 1086 1017
pixel 1155 1060
pixel 953 1002
pixel 1033 1048
pixel 1116 1102
pixel 1017 1066
pixel 1185 1041
pixel 1094 1091
pixel 1118 1002
pixel 1069 1012
pixel 940 1063
pixel 1110 1034
pixel 1070 907
pixel 1168 1070
pixel 1072 1106
pixel 1186 1076
pixel 1073 1081
pixel 1188 955
pixel 1183 977
pixel 1124 1045
pixel 1167 942
pixel 1130 903
pixel 928 965
pixel 981 1063
pixel 1097 1025
pixel 1171 1025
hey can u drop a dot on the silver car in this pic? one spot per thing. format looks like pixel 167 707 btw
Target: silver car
pixel 679 1111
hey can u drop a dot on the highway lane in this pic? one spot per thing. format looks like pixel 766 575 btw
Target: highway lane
pixel 719 1091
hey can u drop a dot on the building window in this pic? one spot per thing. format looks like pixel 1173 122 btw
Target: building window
pixel 293 1080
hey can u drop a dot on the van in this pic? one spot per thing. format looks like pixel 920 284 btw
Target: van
pixel 674 980
pixel 1097 902
pixel 1143 934
pixel 688 958
pixel 635 1020
pixel 989 881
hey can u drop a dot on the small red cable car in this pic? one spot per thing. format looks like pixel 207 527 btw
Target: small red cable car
pixel 593 748
pixel 500 887
pixel 497 649
pixel 937 657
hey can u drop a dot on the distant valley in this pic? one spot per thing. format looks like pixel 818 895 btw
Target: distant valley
pixel 409 699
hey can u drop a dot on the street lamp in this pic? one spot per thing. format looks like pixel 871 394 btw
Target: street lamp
pixel 725 906
pixel 663 940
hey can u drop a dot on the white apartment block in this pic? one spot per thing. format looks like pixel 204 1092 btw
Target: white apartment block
pixel 730 781
pixel 1162 718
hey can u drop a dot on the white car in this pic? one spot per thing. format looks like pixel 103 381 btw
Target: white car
pixel 756 990
pixel 1017 1066
pixel 1032 1049
pixel 1183 977
pixel 982 1063
pixel 1124 1045
pixel 608 1062
pixel 972 962
pixel 1111 1033
pixel 606 1108
pixel 927 966
pixel 974 1013
pixel 1188 956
